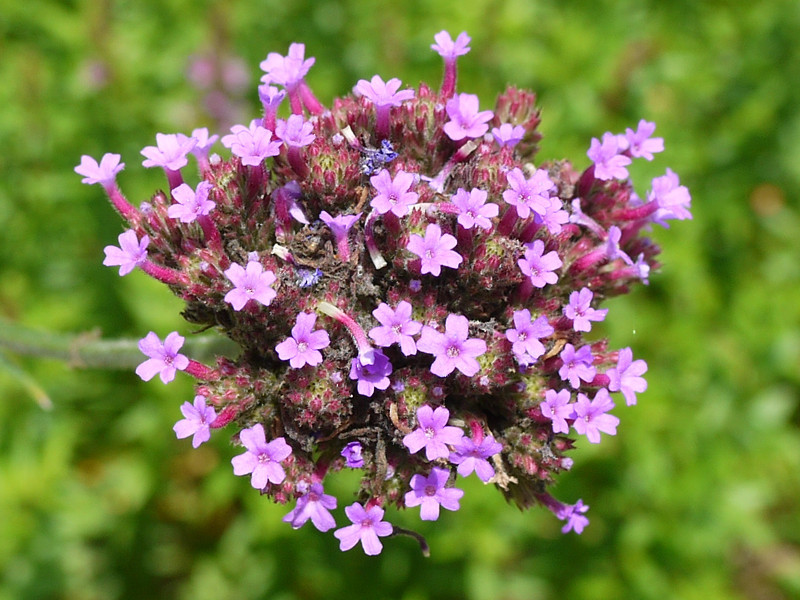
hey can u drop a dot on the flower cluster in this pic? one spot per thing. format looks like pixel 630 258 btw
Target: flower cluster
pixel 409 289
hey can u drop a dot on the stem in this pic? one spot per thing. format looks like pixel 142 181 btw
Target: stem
pixel 423 544
pixel 382 121
pixel 124 208
pixel 449 79
pixel 354 328
pixel 174 178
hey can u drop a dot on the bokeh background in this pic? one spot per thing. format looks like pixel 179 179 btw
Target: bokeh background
pixel 698 495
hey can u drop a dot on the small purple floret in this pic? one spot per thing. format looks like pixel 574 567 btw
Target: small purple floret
pixel 314 505
pixel 435 250
pixel 609 163
pixel 466 122
pixel 429 493
pixel 368 525
pixel 433 433
pixel 453 349
pixel 252 144
pixel 528 195
pixel 352 455
pixel 303 347
pixel 581 313
pixel 473 209
pixel 191 204
pixel 262 460
pixel 591 418
pixel 470 457
pixel 397 327
pixel 169 152
pixel 539 267
pixel 577 365
pixel 372 369
pixel 130 254
pixel 196 422
pixel 163 358
pixel 626 377
pixel 105 173
pixel 557 408
pixel 252 283
pixel 393 194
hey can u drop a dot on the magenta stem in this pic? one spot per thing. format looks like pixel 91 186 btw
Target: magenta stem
pixel 297 162
pixel 174 178
pixel 121 204
pixel 382 126
pixel 310 101
pixel 449 79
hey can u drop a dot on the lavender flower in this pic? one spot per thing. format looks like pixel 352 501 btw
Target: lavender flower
pixel 448 48
pixel 251 144
pixel 580 311
pixel 526 195
pixel 525 335
pixel 574 516
pixel 508 135
pixel 433 433
pixel 397 327
pixel 429 493
pixel 672 198
pixel 196 422
pixel 453 349
pixel 383 96
pixel 557 408
pixel 608 162
pixel 105 173
pixel 539 267
pixel 352 455
pixel 303 348
pixel 295 131
pixel 314 505
pixel 131 253
pixel 251 283
pixel 262 460
pixel 190 203
pixel 393 194
pixel 288 70
pixel 577 365
pixel 368 525
pixel 470 456
pixel 640 144
pixel 626 377
pixel 591 418
pixel 371 369
pixel 473 210
pixel 169 152
pixel 465 120
pixel 163 358
pixel 435 250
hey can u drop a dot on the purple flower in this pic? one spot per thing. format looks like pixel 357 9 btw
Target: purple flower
pixel 383 94
pixel 169 152
pixel 453 349
pixel 198 418
pixel 526 334
pixel 554 218
pixel 251 144
pixel 252 283
pixel 287 70
pixel 397 327
pixel 673 199
pixel 539 266
pixel 577 365
pixel 367 527
pixel 105 173
pixel 340 225
pixel 352 455
pixel 508 134
pixel 203 142
pixel 393 194
pixel 295 131
pixel 303 348
pixel 612 245
pixel 574 516
pixel 163 359
pixel 473 210
pixel 557 408
pixel 430 492
pixel 465 120
pixel 270 97
pixel 580 311
pixel 313 505
pixel 262 459
pixel 130 254
pixel 472 457
pixel 591 417
pixel 447 48
pixel 626 376
pixel 372 369
pixel 435 250
pixel 608 162
pixel 190 203
pixel 640 144
pixel 528 195
pixel 433 433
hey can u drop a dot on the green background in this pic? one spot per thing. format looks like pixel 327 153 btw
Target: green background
pixel 697 497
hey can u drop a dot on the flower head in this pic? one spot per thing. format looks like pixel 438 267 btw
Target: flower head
pixel 252 144
pixel 435 250
pixel 429 493
pixel 465 120
pixel 190 203
pixel 577 365
pixel 580 311
pixel 368 525
pixel 252 283
pixel 609 163
pixel 557 408
pixel 393 194
pixel 371 369
pixel 314 505
pixel 303 347
pixel 131 253
pixel 591 416
pixel 640 143
pixel 448 48
pixel 105 173
pixel 470 456
pixel 539 267
pixel 433 433
pixel 473 209
pixel 626 377
pixel 526 195
pixel 383 94
pixel 262 460
pixel 196 422
pixel 397 327
pixel 169 152
pixel 295 131
pixel 163 358
pixel 453 349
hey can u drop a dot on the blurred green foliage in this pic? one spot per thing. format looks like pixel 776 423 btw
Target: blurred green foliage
pixel 696 498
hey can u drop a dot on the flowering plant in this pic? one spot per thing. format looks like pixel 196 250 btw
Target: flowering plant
pixel 400 276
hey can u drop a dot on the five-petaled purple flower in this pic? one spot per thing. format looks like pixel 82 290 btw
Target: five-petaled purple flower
pixel 574 516
pixel 303 347
pixel 287 70
pixel 465 120
pixel 608 162
pixel 449 49
pixel 526 195
pixel 508 134
pixel 352 455
pixel 591 418
pixel 539 267
pixel 397 327
pixel 473 210
pixel 626 377
pixel 577 365
pixel 557 408
pixel 525 335
pixel 383 94
pixel 251 144
pixel 372 369
pixel 169 152
pixel 163 358
pixel 252 283
pixel 470 456
pixel 429 493
pixel 435 250
pixel 453 349
pixel 130 254
pixel 190 203
pixel 262 459
pixel 673 199
pixel 580 311
pixel 433 433
pixel 314 505
pixel 105 173
pixel 393 194
pixel 640 144
pixel 340 225
pixel 368 525
pixel 196 422
pixel 295 131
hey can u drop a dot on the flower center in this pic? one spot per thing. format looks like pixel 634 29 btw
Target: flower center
pixel 430 490
pixel 453 351
pixel 302 347
pixel 430 433
pixel 263 458
pixel 249 290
